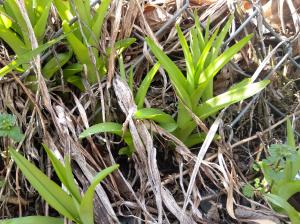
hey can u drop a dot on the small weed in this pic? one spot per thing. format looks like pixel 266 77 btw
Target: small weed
pixel 9 128
pixel 280 169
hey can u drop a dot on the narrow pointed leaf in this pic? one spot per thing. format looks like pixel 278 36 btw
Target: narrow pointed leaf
pixel 230 97
pixel 64 173
pixel 207 30
pixel 83 11
pixel 110 127
pixel 203 57
pixel 13 40
pixel 33 220
pixel 55 63
pixel 63 9
pixel 199 32
pixel 194 46
pixel 98 20
pixel 187 56
pixel 223 59
pixel 142 91
pixel 40 25
pixel 165 120
pixel 26 57
pixel 49 190
pixel 86 206
pixel 280 202
pixel 80 50
pixel 219 40
pixel 72 186
pixel 290 134
pixel 131 81
pixel 122 67
pixel 177 78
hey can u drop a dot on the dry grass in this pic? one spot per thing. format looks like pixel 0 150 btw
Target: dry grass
pixel 163 182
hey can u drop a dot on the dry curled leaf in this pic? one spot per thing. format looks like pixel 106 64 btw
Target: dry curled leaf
pixel 280 13
pixel 155 15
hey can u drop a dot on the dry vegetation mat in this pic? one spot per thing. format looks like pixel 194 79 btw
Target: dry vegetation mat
pixel 196 101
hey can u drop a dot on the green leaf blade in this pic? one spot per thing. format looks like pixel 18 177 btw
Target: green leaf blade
pixel 86 207
pixel 165 120
pixel 33 220
pixel 230 97
pixel 214 67
pixel 177 78
pixel 111 127
pixel 49 190
pixel 142 91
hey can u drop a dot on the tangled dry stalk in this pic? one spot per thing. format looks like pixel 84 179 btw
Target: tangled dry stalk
pixel 158 185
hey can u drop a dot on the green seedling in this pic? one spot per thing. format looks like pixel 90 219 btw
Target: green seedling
pixel 70 204
pixel 280 169
pixel 9 128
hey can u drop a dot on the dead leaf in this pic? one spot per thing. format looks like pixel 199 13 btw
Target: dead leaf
pixel 280 16
pixel 155 15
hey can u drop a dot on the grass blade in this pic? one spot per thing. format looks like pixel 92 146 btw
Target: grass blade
pixel 86 207
pixel 110 127
pixel 33 220
pixel 142 91
pixel 165 120
pixel 177 78
pixel 49 190
pixel 230 97
pixel 290 134
pixel 63 173
pixel 26 57
pixel 187 56
pixel 209 73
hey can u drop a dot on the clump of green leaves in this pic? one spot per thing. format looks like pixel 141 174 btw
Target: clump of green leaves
pixel 9 128
pixel 70 204
pixel 13 28
pixel 85 36
pixel 280 169
pixel 204 60
pixel 82 40
pixel 14 32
